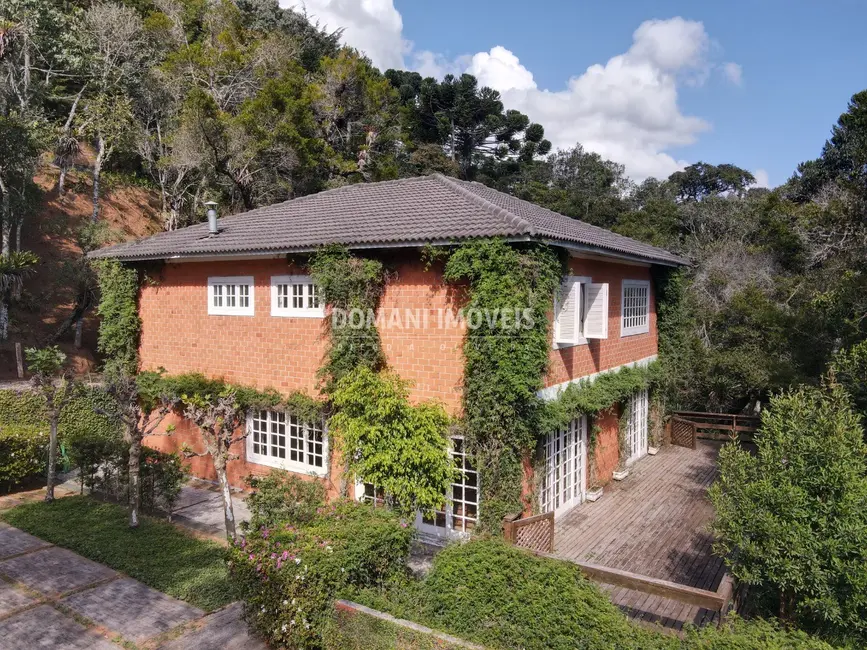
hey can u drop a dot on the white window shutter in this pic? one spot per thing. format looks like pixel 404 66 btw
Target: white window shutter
pixel 596 311
pixel 567 328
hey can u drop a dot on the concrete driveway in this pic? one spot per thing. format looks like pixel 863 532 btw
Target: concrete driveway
pixel 53 598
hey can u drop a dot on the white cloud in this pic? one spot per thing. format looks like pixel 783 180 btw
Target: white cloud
pixel 762 178
pixel 626 109
pixel 373 26
pixel 733 72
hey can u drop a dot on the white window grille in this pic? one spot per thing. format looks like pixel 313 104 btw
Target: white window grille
pixel 636 426
pixel 295 296
pixel 285 442
pixel 460 515
pixel 230 296
pixel 564 482
pixel 635 307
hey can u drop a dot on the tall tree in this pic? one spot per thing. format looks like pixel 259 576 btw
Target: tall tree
pixel 52 382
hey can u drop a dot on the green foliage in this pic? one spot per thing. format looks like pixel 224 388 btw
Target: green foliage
pixel 281 497
pixel 349 285
pixel 158 553
pixel 104 468
pixel 501 596
pixel 399 447
pixel 755 634
pixel 504 365
pixel 591 397
pixel 792 519
pixel 45 361
pixel 79 417
pixel 360 631
pixel 195 386
pixel 120 324
pixel 289 576
pixel 23 450
pixel 850 369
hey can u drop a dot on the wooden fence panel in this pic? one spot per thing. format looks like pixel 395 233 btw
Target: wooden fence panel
pixel 683 433
pixel 535 533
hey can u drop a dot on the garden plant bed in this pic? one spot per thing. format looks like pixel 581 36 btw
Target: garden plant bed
pixel 157 553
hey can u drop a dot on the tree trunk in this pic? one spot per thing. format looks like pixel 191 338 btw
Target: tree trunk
pixel 61 182
pixel 52 457
pixel 5 217
pixel 18 235
pixel 4 318
pixel 79 326
pixel 225 490
pixel 97 171
pixel 134 482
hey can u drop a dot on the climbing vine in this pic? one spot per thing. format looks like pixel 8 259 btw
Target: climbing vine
pixel 352 286
pixel 120 324
pixel 505 361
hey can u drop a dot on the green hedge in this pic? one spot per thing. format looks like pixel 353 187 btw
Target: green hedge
pixel 78 418
pixel 499 596
pixel 289 576
pixel 23 453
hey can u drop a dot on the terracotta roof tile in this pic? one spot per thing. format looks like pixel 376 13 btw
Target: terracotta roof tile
pixel 409 211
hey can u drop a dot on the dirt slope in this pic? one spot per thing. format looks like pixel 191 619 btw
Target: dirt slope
pixel 52 234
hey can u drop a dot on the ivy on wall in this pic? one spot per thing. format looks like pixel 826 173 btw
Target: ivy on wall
pixel 504 362
pixel 120 323
pixel 352 286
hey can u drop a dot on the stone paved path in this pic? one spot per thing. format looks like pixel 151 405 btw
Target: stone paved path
pixel 53 598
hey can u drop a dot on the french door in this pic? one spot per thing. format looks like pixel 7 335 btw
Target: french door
pixel 564 482
pixel 460 513
pixel 636 430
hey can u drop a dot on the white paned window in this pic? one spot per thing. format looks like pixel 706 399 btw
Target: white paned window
pixel 230 296
pixel 635 307
pixel 295 295
pixel 283 441
pixel 580 312
pixel 460 514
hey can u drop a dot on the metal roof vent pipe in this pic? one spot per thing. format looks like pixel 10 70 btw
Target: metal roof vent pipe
pixel 212 218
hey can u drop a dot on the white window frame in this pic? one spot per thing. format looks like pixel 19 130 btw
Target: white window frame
pixel 637 426
pixel 285 463
pixel 634 329
pixel 237 281
pixel 564 482
pixel 580 340
pixel 304 282
pixel 448 514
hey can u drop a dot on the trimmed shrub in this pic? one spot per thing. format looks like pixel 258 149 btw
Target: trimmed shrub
pixel 78 418
pixel 284 498
pixel 23 453
pixel 289 576
pixel 499 595
pixel 161 475
pixel 737 634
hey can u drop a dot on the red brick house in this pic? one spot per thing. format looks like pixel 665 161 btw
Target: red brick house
pixel 232 304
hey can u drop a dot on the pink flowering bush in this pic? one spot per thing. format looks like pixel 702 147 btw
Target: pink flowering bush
pixel 289 575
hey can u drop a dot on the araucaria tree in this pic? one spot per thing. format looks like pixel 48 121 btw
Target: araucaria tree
pixel 140 405
pixel 792 519
pixel 220 419
pixel 50 380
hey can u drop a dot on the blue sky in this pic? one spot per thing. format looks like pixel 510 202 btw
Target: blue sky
pixel 661 97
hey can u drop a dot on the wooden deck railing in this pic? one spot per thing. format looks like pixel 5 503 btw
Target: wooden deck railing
pixel 689 426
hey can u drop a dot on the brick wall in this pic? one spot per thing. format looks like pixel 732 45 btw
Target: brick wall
pixel 601 354
pixel 285 353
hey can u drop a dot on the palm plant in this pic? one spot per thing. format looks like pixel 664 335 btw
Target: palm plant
pixel 14 268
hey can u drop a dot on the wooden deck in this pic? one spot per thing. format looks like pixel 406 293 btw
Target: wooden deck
pixel 654 523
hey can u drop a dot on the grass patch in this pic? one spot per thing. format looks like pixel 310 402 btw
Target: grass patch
pixel 157 553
